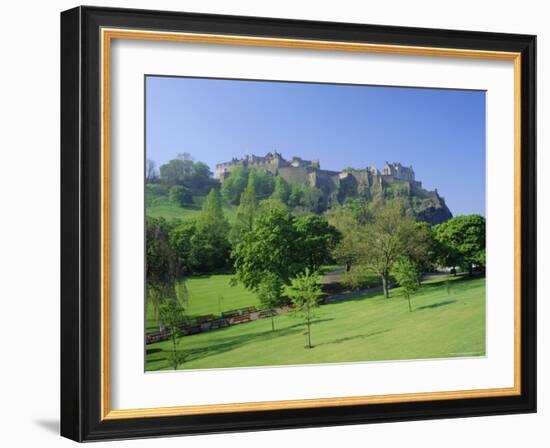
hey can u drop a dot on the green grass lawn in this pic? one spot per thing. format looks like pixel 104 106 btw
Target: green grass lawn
pixel 369 328
pixel 161 207
pixel 204 294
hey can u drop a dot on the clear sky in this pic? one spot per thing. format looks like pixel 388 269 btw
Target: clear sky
pixel 440 132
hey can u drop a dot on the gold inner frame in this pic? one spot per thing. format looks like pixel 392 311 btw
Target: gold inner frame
pixel 107 35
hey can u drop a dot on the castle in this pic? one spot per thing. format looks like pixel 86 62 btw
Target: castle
pixel 337 185
pixel 298 170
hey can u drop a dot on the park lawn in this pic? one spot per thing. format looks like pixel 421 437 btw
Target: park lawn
pixel 204 294
pixel 445 322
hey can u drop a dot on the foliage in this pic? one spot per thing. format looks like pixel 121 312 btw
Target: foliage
pixel 172 318
pixel 305 292
pixel 181 239
pixel 262 181
pixel 391 233
pixel 270 291
pixel 348 250
pixel 248 207
pixel 281 190
pixel 210 242
pixel 181 195
pixel 184 171
pixel 161 262
pixel 461 241
pixel 317 239
pixel 406 273
pixel 358 277
pixel 268 248
pixel 235 184
pixel 306 197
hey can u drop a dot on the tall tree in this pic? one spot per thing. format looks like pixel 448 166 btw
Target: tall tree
pixel 161 263
pixel 391 233
pixel 305 292
pixel 270 247
pixel 462 241
pixel 235 184
pixel 348 250
pixel 270 291
pixel 406 273
pixel 210 243
pixel 248 207
pixel 317 240
pixel 281 190
pixel 176 172
pixel 172 318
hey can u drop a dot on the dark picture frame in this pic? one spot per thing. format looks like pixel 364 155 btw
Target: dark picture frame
pixel 85 413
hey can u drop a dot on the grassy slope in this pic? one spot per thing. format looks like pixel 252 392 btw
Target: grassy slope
pixel 365 329
pixel 204 292
pixel 162 207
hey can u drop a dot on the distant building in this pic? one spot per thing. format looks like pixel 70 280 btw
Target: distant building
pixel 337 185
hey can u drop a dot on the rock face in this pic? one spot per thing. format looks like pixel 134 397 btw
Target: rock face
pixel 394 180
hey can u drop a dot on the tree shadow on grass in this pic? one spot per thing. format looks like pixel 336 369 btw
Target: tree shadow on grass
pixel 151 351
pixel 436 305
pixel 350 338
pixel 235 342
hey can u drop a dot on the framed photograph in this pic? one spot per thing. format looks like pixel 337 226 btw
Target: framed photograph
pixel 273 223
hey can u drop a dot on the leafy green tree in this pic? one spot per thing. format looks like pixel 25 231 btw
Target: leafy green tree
pixel 281 190
pixel 210 244
pixel 181 195
pixel 172 317
pixel 406 273
pixel 462 241
pixel 348 250
pixel 235 184
pixel 270 291
pixel 263 181
pixel 309 198
pixel 305 292
pixel 248 207
pixel 176 171
pixel 161 262
pixel 270 247
pixel 391 233
pixel 317 240
pixel 181 240
pixel 201 180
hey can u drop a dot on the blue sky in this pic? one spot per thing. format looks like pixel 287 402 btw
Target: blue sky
pixel 441 133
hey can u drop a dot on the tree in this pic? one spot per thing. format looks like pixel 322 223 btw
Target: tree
pixel 391 233
pixel 270 291
pixel 263 181
pixel 161 263
pixel 172 318
pixel 317 240
pixel 270 247
pixel 181 240
pixel 406 274
pixel 210 243
pixel 176 171
pixel 181 195
pixel 348 250
pixel 305 291
pixel 201 178
pixel 248 207
pixel 462 241
pixel 281 190
pixel 235 184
